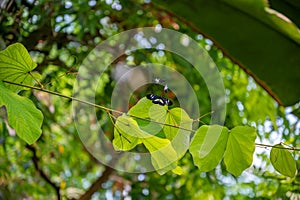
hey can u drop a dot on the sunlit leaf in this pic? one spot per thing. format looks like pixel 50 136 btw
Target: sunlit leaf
pixel 168 123
pixel 163 156
pixel 126 134
pixel 177 117
pixel 180 137
pixel 16 66
pixel 239 150
pixel 208 146
pixel 23 116
pixel 151 112
pixel 283 161
pixel 178 170
pixel 151 128
pixel 144 108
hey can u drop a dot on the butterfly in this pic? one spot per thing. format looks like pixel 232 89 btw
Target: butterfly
pixel 159 100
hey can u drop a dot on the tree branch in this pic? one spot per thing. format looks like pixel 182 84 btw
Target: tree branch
pixel 97 184
pixel 35 159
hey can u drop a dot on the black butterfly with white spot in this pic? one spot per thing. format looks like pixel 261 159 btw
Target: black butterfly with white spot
pixel 159 100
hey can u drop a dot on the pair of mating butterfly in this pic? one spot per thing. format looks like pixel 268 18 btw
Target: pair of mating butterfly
pixel 159 99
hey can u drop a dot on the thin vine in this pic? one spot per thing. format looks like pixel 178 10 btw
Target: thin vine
pixel 108 110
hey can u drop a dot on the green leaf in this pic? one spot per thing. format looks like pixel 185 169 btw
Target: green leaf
pixel 163 155
pixel 176 117
pixel 122 140
pixel 16 66
pixel 208 146
pixel 179 137
pixel 239 150
pixel 178 170
pixel 128 134
pixel 147 110
pixel 283 161
pixel 23 116
pixel 254 21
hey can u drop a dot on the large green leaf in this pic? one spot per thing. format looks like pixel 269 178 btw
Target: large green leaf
pixel 208 146
pixel 283 161
pixel 259 39
pixel 23 116
pixel 16 66
pixel 239 150
pixel 180 137
pixel 289 8
pixel 163 155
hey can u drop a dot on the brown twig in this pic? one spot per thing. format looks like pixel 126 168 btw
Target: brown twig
pixel 35 159
pixel 97 184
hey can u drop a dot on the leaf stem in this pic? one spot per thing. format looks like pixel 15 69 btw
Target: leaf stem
pixel 278 147
pixel 64 96
pixel 30 73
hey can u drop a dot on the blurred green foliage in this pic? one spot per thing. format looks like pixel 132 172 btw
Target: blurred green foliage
pixel 59 35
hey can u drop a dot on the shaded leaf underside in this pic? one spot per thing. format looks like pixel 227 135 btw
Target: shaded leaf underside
pixel 262 41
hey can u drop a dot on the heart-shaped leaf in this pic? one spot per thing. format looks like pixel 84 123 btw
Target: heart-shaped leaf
pixel 283 161
pixel 163 155
pixel 150 112
pixel 23 116
pixel 180 137
pixel 16 66
pixel 239 150
pixel 208 146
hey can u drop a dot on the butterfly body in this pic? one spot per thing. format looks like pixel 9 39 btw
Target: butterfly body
pixel 159 100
